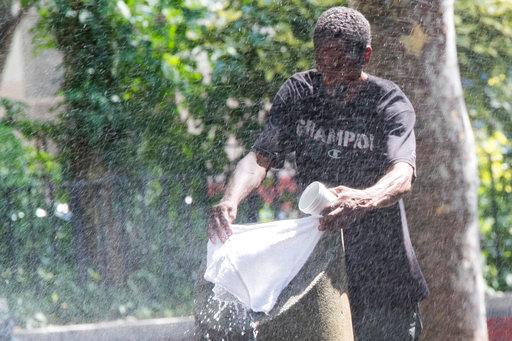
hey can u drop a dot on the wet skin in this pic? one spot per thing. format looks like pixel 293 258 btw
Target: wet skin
pixel 337 69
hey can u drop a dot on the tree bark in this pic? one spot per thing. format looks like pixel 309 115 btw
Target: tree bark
pixel 98 232
pixel 8 23
pixel 99 235
pixel 414 46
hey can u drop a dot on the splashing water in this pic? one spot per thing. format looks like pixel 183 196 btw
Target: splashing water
pixel 227 318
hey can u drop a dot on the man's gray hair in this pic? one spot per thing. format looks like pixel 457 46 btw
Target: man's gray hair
pixel 345 25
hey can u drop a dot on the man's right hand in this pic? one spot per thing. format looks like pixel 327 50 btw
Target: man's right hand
pixel 219 219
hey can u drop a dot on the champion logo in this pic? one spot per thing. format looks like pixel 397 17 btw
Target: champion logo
pixel 342 138
pixel 335 153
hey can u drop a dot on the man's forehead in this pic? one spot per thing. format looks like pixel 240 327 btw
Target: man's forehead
pixel 333 44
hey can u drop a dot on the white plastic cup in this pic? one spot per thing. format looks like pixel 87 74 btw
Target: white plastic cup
pixel 315 198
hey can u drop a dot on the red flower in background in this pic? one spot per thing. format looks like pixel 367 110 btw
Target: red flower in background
pixel 267 194
pixel 284 184
pixel 286 207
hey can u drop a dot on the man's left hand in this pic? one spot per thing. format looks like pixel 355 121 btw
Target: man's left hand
pixel 350 205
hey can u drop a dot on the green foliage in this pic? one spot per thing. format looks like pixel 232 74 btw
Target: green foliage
pixel 33 242
pixel 495 201
pixel 485 50
pixel 58 298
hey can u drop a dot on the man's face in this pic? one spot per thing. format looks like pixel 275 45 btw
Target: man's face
pixel 334 63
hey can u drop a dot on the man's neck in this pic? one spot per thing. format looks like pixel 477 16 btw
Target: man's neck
pixel 335 86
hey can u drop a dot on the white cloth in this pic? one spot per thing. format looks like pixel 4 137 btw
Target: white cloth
pixel 259 260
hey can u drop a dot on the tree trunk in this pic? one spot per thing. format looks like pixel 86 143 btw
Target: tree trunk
pixel 81 251
pixel 8 255
pixel 8 23
pixel 98 233
pixel 414 45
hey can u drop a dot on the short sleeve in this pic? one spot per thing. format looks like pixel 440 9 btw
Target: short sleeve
pixel 277 140
pixel 400 119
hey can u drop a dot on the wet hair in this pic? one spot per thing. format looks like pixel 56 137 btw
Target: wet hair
pixel 345 25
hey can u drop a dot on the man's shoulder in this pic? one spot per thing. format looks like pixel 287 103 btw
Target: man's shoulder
pixel 385 87
pixel 306 76
pixel 383 84
pixel 389 95
pixel 303 83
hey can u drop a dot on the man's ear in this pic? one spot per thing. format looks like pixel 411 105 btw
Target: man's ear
pixel 367 54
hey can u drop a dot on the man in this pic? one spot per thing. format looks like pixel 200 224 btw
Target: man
pixel 353 132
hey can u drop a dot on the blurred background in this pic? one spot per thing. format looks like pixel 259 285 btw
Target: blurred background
pixel 121 121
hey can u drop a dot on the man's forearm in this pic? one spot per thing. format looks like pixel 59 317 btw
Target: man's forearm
pixel 391 187
pixel 248 175
pixel 355 203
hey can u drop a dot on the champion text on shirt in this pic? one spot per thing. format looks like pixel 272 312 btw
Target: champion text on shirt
pixel 343 138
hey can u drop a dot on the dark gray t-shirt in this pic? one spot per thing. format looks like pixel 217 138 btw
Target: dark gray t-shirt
pixel 353 142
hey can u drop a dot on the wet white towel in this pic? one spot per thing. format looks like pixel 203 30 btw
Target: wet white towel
pixel 259 260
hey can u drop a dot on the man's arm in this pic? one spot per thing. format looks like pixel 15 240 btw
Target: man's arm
pixel 248 175
pixel 354 203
